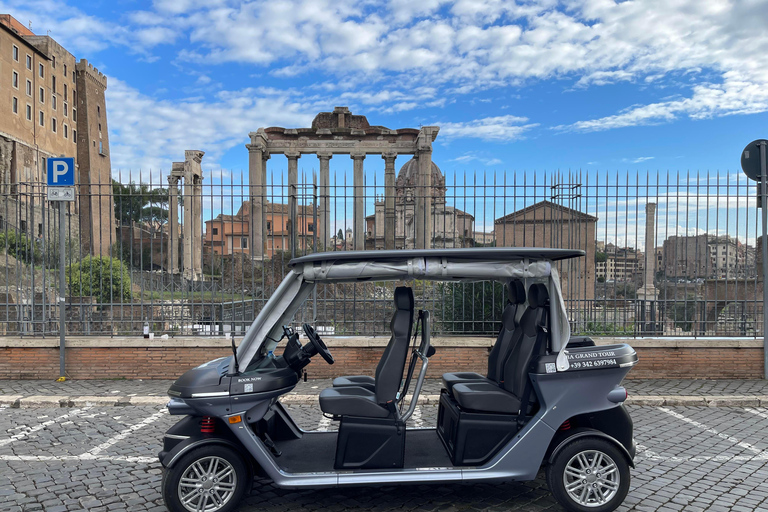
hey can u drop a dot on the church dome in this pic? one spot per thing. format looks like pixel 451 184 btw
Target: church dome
pixel 407 178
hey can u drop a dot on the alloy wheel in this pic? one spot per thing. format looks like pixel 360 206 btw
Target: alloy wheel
pixel 591 478
pixel 207 484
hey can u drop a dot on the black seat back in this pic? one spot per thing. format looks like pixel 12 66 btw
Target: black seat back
pixel 504 341
pixel 516 366
pixel 389 372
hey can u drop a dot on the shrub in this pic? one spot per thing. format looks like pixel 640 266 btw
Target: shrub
pixel 472 307
pixel 107 279
pixel 21 247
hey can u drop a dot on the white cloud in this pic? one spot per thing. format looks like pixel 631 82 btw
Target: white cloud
pixel 639 159
pixel 499 128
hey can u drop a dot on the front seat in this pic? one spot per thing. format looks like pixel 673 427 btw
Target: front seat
pixel 405 295
pixel 506 397
pixel 504 344
pixel 379 401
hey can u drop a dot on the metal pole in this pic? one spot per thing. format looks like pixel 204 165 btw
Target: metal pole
pixel 62 290
pixel 764 201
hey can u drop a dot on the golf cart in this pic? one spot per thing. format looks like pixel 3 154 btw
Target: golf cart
pixel 547 401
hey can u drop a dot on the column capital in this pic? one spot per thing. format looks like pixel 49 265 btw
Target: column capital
pixel 357 154
pixel 650 207
pixel 324 155
pixel 173 180
pixel 389 155
pixel 292 155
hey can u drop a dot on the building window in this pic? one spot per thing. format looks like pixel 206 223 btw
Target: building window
pixel 42 95
pixel 98 112
pixel 29 112
pixel 74 114
pixel 15 80
pixel 74 97
pixel 74 136
pixel 42 118
pixel 53 62
pixel 311 228
pixel 244 242
pixel 53 124
pixel 39 229
pixel 23 225
pixel 41 70
pixel 15 105
pixel 65 92
pixel 29 62
pixel 65 75
pixel 53 102
pixel 99 128
pixel 66 131
pixel 73 77
pixel 269 226
pixel 66 110
pixel 101 147
pixel 53 82
pixel 29 88
pixel 215 231
pixel 16 53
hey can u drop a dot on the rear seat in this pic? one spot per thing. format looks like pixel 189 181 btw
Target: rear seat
pixel 504 344
pixel 505 397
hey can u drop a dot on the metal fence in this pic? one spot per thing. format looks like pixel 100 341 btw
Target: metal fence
pixel 125 271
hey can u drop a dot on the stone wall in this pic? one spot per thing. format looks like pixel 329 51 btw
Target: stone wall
pixel 136 358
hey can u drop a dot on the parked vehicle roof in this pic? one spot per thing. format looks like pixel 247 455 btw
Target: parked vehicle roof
pixel 472 254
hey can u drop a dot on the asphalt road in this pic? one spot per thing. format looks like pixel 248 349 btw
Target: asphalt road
pixel 105 459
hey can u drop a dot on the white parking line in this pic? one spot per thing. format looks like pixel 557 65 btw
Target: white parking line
pixel 122 435
pixel 66 458
pixel 727 437
pixel 325 423
pixel 418 421
pixel 41 426
pixel 756 412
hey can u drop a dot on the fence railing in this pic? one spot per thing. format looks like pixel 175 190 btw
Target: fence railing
pixel 194 260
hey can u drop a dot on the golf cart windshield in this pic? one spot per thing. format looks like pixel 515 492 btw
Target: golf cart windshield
pixel 447 265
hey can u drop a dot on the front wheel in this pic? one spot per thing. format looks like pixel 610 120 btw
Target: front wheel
pixel 211 478
pixel 589 475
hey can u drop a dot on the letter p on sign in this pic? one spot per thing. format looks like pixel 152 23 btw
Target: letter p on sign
pixel 61 172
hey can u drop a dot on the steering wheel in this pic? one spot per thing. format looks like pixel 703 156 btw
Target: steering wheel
pixel 319 345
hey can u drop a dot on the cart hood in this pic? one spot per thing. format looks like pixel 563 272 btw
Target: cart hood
pixel 448 265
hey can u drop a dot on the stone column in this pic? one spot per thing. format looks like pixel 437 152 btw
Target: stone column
pixel 324 209
pixel 293 181
pixel 647 293
pixel 187 191
pixel 197 234
pixel 173 224
pixel 257 179
pixel 423 203
pixel 358 177
pixel 389 199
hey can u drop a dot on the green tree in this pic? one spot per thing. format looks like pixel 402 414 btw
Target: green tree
pixel 21 247
pixel 139 203
pixel 472 307
pixel 600 257
pixel 107 279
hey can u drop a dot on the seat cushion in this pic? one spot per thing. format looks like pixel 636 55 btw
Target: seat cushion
pixel 485 397
pixel 363 381
pixel 451 379
pixel 351 401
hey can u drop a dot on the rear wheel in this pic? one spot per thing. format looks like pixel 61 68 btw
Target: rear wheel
pixel 211 478
pixel 589 475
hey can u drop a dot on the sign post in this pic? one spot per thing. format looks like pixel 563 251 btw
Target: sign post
pixel 754 163
pixel 61 188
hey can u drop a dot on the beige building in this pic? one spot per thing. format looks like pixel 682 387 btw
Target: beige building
pixel 706 256
pixel 50 106
pixel 621 264
pixel 546 224
pixel 451 227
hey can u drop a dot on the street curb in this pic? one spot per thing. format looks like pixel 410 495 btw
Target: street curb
pixel 40 401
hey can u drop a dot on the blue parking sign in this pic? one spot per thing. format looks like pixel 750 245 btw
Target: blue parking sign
pixel 61 172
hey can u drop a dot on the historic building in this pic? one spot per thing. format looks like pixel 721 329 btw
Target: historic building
pixel 451 227
pixel 51 105
pixel 547 224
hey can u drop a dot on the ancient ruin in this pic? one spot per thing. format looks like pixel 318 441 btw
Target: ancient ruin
pixel 342 133
pixel 191 171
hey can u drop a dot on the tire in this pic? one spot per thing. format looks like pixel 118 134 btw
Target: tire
pixel 600 494
pixel 220 476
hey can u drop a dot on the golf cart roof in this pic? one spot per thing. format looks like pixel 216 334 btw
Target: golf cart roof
pixel 458 255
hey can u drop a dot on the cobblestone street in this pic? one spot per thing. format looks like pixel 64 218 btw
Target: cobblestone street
pixel 104 458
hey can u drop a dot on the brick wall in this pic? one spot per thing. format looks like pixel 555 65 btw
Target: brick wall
pixel 167 362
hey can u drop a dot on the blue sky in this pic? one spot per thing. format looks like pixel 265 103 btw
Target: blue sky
pixel 529 85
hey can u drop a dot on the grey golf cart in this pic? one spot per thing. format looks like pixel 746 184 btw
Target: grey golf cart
pixel 547 401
